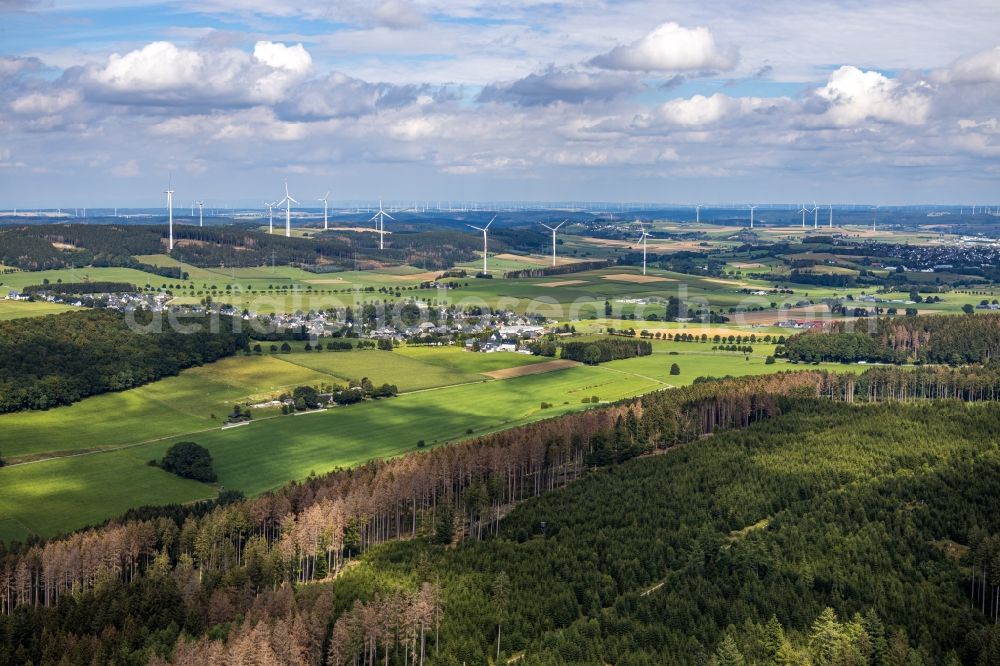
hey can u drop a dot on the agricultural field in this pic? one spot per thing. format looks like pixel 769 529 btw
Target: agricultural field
pixel 135 426
pixel 18 309
pixel 199 398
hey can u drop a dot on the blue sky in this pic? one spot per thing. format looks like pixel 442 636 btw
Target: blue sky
pixel 834 100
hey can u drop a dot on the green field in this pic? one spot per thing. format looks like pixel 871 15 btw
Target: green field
pixel 58 494
pixel 18 309
pixel 199 398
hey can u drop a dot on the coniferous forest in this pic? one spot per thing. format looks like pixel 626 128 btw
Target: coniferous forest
pixel 828 519
pixel 923 339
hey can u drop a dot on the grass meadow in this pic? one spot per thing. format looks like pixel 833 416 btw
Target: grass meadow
pixel 63 493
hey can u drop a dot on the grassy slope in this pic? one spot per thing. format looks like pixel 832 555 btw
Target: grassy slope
pixel 271 451
pixel 18 309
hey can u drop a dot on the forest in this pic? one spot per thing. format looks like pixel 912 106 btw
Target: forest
pixel 922 339
pixel 62 358
pixel 720 534
pixel 604 350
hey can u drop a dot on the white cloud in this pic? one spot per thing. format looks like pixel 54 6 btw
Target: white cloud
pixel 294 59
pixel 156 66
pixel 852 96
pixel 40 103
pixel 129 169
pixel 669 48
pixel 701 110
pixel 982 67
pixel 164 72
pixel 397 15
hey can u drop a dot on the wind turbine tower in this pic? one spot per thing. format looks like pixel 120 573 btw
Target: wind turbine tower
pixel 288 201
pixel 553 230
pixel 170 215
pixel 874 211
pixel 643 237
pixel 815 216
pixel 270 217
pixel 831 216
pixel 324 200
pixel 485 248
pixel 201 213
pixel 752 209
pixel 379 219
pixel 697 213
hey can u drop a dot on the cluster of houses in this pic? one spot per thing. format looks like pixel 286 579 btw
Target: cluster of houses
pixel 508 338
pixel 484 330
pixel 123 302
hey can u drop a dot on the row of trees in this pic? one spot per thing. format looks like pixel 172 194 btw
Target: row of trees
pixel 563 269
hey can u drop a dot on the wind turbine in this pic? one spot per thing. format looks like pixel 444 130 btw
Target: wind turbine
pixel 752 209
pixel 697 213
pixel 815 216
pixel 553 230
pixel 324 200
pixel 874 210
pixel 643 237
pixel 288 201
pixel 485 249
pixel 380 223
pixel 170 213
pixel 201 213
pixel 804 210
pixel 831 216
pixel 270 216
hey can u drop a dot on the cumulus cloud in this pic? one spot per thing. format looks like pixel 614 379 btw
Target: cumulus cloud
pixel 669 48
pixel 162 72
pixel 702 110
pixel 40 103
pixel 852 96
pixel 156 66
pixel 982 67
pixel 293 59
pixel 561 85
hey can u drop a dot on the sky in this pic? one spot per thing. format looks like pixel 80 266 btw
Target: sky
pixel 837 101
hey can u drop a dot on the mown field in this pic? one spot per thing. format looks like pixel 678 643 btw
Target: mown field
pixel 53 495
pixel 18 309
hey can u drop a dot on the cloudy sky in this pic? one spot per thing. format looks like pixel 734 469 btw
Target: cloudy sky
pixel 834 100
